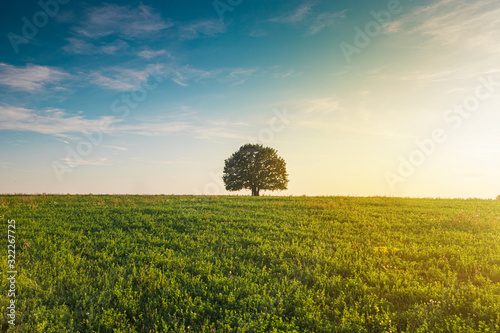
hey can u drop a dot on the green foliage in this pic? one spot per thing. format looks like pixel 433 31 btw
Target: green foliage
pixel 255 167
pixel 239 264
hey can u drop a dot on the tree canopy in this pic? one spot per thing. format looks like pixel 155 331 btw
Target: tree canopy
pixel 256 168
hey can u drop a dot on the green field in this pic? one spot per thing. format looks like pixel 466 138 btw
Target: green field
pixel 243 264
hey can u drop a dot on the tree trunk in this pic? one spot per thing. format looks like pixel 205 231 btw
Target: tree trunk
pixel 255 192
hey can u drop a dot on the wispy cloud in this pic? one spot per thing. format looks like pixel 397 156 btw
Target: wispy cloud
pixel 70 162
pixel 423 76
pixel 5 164
pixel 150 54
pixel 124 21
pixel 202 28
pixel 298 15
pixel 459 39
pixel 114 147
pixel 54 122
pixel 119 78
pixel 323 105
pixel 31 77
pixel 435 76
pixel 160 162
pixel 184 74
pixel 469 24
pixel 283 75
pixel 325 20
pixel 79 46
pixel 60 124
pixel 127 79
pixel 213 129
pixel 237 76
pixel 187 74
pixel 154 128
pixel 205 130
pixel 337 115
pixel 208 133
pixel 304 17
pixel 227 123
pixel 121 23
pixel 258 32
pixel 347 129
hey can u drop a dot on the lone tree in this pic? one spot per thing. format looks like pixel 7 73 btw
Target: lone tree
pixel 255 167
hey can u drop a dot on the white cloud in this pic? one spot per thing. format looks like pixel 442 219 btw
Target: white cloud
pixel 59 123
pixel 237 76
pixel 114 147
pixel 470 24
pixel 227 123
pixel 424 76
pixel 125 79
pixel 79 46
pixel 71 162
pixel 182 75
pixel 393 27
pixel 318 105
pixel 303 15
pixel 66 127
pixel 154 129
pixel 206 130
pixel 150 54
pixel 297 15
pixel 258 32
pixel 31 77
pixel 283 75
pixel 124 21
pixel 179 82
pixel 453 44
pixel 186 74
pixel 202 28
pixel 213 133
pixel 118 22
pixel 122 79
pixel 322 125
pixel 52 122
pixel 325 20
pixel 160 162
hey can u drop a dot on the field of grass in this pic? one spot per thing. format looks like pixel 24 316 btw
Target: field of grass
pixel 243 264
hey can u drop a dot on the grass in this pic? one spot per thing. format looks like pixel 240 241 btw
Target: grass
pixel 243 264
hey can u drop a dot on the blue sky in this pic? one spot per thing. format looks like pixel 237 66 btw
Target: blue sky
pixel 360 98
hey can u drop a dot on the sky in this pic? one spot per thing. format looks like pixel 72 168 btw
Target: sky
pixel 360 98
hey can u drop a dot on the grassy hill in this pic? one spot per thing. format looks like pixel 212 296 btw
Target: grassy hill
pixel 243 264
